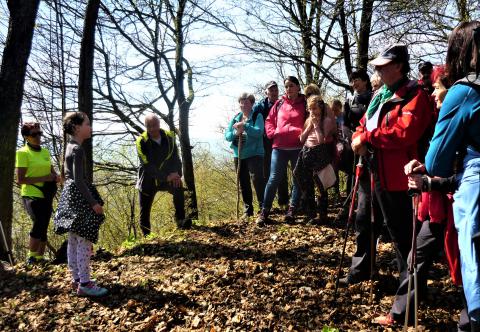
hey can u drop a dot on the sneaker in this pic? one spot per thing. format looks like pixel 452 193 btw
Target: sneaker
pixel 91 290
pixel 386 320
pixel 74 286
pixel 245 216
pixel 350 280
pixel 290 215
pixel 262 218
pixel 32 260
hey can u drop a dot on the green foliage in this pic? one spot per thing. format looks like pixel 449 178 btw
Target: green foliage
pixel 216 197
pixel 329 329
pixel 130 242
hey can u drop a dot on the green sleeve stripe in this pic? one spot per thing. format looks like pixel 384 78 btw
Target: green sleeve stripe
pixel 138 144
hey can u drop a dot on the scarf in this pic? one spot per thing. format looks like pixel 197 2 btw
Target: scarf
pixel 385 94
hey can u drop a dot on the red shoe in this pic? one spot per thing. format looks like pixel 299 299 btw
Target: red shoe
pixel 386 320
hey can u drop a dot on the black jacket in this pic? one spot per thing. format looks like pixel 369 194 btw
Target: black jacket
pixel 157 161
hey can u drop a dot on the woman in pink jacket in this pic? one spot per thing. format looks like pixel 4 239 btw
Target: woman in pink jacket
pixel 283 126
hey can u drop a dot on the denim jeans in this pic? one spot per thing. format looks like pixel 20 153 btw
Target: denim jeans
pixel 278 171
pixel 466 214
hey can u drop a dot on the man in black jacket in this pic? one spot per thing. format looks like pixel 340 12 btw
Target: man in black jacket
pixel 160 170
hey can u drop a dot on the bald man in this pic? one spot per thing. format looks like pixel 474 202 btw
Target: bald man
pixel 160 170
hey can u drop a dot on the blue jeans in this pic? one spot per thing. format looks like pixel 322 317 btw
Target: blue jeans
pixel 467 221
pixel 278 171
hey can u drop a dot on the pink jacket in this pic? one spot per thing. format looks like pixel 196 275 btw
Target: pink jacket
pixel 285 121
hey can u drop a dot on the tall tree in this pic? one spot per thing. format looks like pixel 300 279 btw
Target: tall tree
pixel 184 102
pixel 85 89
pixel 12 79
pixel 156 35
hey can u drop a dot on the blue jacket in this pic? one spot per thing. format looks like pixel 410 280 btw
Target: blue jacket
pixel 262 106
pixel 253 146
pixel 458 123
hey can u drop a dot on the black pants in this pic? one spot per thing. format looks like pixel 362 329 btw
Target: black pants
pixel 40 211
pixel 282 190
pixel 251 169
pixel 312 160
pixel 429 243
pixel 395 209
pixel 146 201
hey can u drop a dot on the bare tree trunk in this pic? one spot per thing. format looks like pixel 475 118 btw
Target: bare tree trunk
pixel 85 90
pixel 364 34
pixel 464 14
pixel 346 44
pixel 184 109
pixel 12 79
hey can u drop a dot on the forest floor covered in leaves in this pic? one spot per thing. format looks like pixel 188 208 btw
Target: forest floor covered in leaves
pixel 225 276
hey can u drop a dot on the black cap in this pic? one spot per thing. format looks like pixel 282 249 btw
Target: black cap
pixel 395 52
pixel 270 84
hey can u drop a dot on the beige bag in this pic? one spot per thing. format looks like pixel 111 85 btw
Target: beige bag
pixel 327 176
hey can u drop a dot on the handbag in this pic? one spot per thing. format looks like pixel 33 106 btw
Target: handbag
pixel 327 176
pixel 48 190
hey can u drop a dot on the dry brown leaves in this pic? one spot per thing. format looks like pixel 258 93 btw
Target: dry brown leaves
pixel 224 277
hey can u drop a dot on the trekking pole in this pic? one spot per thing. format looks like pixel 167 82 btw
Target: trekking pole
pixel 353 193
pixel 412 267
pixel 372 231
pixel 238 175
pixel 4 239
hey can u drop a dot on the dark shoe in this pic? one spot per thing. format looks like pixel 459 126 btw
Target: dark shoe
pixel 290 215
pixel 349 280
pixel 311 218
pixel 184 223
pixel 262 218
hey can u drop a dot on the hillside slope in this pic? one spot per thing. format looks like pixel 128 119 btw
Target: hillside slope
pixel 228 276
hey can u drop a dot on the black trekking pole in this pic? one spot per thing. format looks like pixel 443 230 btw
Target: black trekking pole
pixel 412 267
pixel 8 250
pixel 372 231
pixel 238 175
pixel 353 193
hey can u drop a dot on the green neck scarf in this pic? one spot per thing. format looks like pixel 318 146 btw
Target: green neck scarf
pixel 382 97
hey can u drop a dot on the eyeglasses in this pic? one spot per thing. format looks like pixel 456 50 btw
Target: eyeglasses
pixel 36 134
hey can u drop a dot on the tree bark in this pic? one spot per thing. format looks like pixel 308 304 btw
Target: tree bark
pixel 12 78
pixel 364 34
pixel 346 44
pixel 184 109
pixel 85 90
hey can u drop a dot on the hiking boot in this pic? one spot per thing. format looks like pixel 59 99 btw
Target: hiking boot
pixel 184 223
pixel 91 290
pixel 289 217
pixel 262 218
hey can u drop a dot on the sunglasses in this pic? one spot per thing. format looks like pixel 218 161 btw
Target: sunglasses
pixel 37 134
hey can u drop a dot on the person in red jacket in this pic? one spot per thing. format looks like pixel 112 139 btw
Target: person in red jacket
pixel 395 119
pixel 283 126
